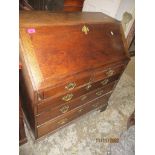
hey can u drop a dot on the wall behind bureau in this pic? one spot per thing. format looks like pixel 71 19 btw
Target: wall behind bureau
pixel 113 8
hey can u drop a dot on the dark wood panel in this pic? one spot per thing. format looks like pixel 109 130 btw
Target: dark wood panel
pixel 22 135
pixel 73 3
pixel 27 103
pixel 72 9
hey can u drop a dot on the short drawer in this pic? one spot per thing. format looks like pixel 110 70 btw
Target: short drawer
pixel 111 71
pixel 66 118
pixel 65 108
pixel 69 85
pixel 64 99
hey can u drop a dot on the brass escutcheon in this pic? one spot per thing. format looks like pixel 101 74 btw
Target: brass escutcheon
pixel 67 97
pixel 95 105
pixel 83 97
pixel 80 110
pixel 88 86
pixel 85 29
pixel 63 121
pixel 64 109
pixel 104 82
pixel 70 86
pixel 110 72
pixel 99 93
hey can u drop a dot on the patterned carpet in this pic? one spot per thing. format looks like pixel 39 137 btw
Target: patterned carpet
pixel 90 134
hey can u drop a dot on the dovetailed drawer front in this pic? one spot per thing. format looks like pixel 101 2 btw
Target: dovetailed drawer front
pixel 66 118
pixel 109 72
pixel 65 108
pixel 69 97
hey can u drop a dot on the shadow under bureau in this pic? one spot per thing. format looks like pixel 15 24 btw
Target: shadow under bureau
pixel 71 63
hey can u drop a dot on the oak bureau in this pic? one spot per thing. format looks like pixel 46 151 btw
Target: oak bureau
pixel 71 63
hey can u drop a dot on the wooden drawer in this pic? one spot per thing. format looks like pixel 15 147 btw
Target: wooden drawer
pixel 78 82
pixel 111 71
pixel 64 108
pixel 54 102
pixel 66 118
pixel 69 85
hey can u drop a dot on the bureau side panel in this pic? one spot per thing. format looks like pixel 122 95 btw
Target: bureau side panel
pixel 27 94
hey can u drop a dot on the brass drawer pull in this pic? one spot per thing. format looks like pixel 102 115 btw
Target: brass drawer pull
pixel 68 97
pixel 88 86
pixel 99 93
pixel 83 97
pixel 95 105
pixel 70 86
pixel 104 82
pixel 80 110
pixel 64 109
pixel 63 121
pixel 110 72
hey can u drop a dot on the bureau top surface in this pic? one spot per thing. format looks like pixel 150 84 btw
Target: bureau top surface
pixel 46 18
pixel 55 45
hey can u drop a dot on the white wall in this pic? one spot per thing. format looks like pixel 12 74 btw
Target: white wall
pixel 126 6
pixel 108 7
pixel 113 8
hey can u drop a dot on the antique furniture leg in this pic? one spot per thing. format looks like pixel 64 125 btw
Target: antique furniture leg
pixel 104 107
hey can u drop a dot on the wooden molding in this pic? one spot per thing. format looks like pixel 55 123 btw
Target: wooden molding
pixel 131 35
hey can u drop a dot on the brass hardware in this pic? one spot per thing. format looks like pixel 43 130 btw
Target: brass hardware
pixel 99 93
pixel 110 72
pixel 95 105
pixel 83 97
pixel 67 97
pixel 88 86
pixel 63 121
pixel 80 110
pixel 71 86
pixel 104 82
pixel 85 29
pixel 64 109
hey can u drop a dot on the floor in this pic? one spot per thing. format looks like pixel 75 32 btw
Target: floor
pixel 89 134
pixel 130 70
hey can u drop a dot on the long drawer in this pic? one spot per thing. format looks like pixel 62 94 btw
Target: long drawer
pixel 77 82
pixel 66 118
pixel 64 108
pixel 62 99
